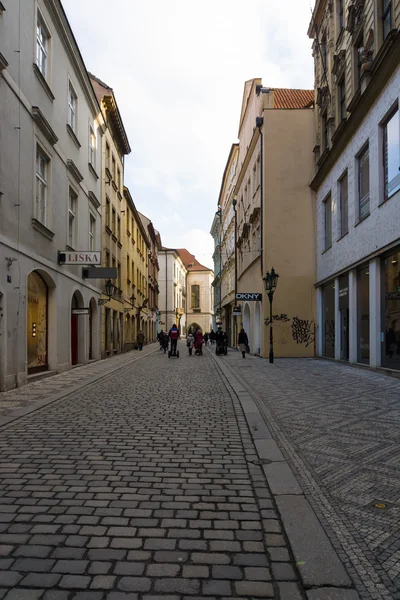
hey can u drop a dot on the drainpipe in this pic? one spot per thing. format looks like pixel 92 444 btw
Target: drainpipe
pixel 259 124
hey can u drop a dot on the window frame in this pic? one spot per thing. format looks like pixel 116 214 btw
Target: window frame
pixel 92 147
pixel 363 199
pixel 343 223
pixel 72 107
pixel 92 232
pixel 44 47
pixel 327 222
pixel 386 12
pixel 341 15
pixel 41 180
pixel 342 100
pixel 72 217
pixel 393 113
pixel 195 295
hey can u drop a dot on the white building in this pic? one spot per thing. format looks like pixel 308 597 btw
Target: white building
pixel 200 305
pixel 50 195
pixel 172 291
pixel 357 181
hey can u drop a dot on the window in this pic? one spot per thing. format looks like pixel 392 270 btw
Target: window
pixel 359 57
pixel 363 183
pixel 113 167
pixel 128 267
pixel 72 107
pixel 42 173
pixel 92 148
pixel 107 258
pixel 342 100
pixel 195 296
pixel 119 276
pixel 325 132
pixel 114 266
pixel 72 205
pixel 92 233
pixel 119 228
pixel 324 55
pixel 107 212
pixel 344 204
pixel 107 156
pixel 328 221
pixel 119 179
pixel 391 155
pixel 113 222
pixel 42 46
pixel 341 14
pixel 386 17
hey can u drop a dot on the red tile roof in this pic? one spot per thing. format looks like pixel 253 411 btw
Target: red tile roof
pixel 190 261
pixel 287 98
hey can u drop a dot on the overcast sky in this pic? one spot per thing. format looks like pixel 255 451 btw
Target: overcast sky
pixel 178 69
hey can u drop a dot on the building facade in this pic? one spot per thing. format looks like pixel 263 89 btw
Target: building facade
pixel 215 232
pixel 357 181
pixel 153 269
pixel 172 285
pixel 50 196
pixel 115 146
pixel 199 286
pixel 274 217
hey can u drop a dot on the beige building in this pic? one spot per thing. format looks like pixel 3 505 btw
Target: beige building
pixel 199 308
pixel 172 286
pixel 152 276
pixel 275 217
pixel 115 146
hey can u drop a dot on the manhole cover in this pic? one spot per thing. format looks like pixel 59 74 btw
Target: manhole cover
pixel 379 505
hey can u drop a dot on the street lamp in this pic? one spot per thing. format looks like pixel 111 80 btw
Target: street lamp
pixel 271 281
pixel 109 293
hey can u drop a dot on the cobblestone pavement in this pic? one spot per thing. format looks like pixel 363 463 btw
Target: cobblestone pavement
pixel 144 485
pixel 338 427
pixel 38 390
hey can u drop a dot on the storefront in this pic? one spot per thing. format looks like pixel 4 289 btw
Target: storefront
pixel 37 324
pixel 328 325
pixel 344 316
pixel 390 276
pixel 363 316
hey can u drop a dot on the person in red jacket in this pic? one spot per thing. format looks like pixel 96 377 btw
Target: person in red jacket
pixel 173 335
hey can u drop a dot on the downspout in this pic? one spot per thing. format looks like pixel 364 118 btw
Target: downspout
pixel 259 124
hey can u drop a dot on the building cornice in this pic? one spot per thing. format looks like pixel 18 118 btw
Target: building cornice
pixel 73 169
pixel 44 125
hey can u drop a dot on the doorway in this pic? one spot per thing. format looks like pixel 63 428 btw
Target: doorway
pixel 344 334
pixel 37 320
pixel 74 332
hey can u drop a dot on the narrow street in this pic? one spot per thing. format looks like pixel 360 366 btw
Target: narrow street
pixel 147 477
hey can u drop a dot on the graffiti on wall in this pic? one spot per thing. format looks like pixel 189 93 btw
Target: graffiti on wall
pixel 303 330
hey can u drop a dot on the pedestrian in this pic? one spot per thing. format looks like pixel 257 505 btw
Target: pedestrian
pixel 206 339
pixel 173 335
pixel 212 337
pixel 190 343
pixel 140 339
pixel 243 341
pixel 164 342
pixel 198 342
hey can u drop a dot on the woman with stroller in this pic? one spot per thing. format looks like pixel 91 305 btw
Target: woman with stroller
pixel 198 342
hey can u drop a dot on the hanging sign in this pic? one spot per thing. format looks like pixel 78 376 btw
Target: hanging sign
pixel 79 258
pixel 80 311
pixel 252 296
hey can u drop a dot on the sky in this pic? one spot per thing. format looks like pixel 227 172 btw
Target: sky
pixel 177 68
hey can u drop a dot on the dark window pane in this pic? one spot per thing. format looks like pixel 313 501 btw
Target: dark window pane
pixel 392 155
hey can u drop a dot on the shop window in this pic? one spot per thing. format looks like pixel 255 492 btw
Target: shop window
pixel 328 299
pixel 37 323
pixel 391 155
pixel 363 315
pixel 391 310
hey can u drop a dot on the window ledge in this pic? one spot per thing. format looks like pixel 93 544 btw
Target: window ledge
pixel 93 171
pixel 45 231
pixel 70 248
pixel 362 220
pixel 119 244
pixel 108 230
pixel 73 136
pixel 43 82
pixel 342 236
pixel 119 196
pixel 388 198
pixel 114 237
pixel 114 185
pixel 327 249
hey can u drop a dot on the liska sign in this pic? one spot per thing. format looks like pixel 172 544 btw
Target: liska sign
pixel 79 258
pixel 249 296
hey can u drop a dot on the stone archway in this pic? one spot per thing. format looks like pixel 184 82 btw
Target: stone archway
pixel 77 339
pixel 194 327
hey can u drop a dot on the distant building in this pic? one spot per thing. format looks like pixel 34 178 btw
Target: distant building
pixel 172 285
pixel 357 180
pixel 50 196
pixel 199 310
pixel 152 277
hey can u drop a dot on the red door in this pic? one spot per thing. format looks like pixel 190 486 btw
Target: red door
pixel 74 339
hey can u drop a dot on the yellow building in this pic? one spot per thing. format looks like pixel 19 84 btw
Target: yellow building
pixel 115 146
pixel 135 273
pixel 275 218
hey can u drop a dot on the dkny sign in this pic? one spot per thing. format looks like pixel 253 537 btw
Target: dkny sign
pixel 249 296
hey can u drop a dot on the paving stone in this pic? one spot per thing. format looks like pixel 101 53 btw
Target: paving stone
pixel 18 594
pixel 41 580
pixel 283 571
pixel 179 586
pixel 210 558
pixel 226 572
pixel 55 595
pixel 215 587
pixel 74 582
pixel 279 554
pixel 250 559
pixel 193 544
pixel 162 570
pixel 88 596
pixel 70 566
pixel 35 565
pixel 122 596
pixel 257 574
pixel 196 571
pixel 9 579
pixel 134 584
pixel 129 568
pixel 290 591
pixel 256 589
pixel 329 593
pixel 99 567
pixel 103 582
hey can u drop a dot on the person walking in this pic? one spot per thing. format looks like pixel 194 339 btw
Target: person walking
pixel 173 335
pixel 190 343
pixel 243 341
pixel 140 339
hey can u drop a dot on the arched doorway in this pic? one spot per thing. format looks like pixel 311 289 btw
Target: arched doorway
pixel 246 323
pixel 77 331
pixel 194 327
pixel 37 323
pixel 257 329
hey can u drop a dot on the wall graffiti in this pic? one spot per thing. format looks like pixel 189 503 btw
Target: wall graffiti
pixel 303 331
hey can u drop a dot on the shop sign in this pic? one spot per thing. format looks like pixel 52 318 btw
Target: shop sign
pixel 100 273
pixel 237 311
pixel 80 311
pixel 343 292
pixel 79 258
pixel 393 295
pixel 252 296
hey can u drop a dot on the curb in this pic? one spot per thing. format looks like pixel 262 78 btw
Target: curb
pixel 22 412
pixel 321 571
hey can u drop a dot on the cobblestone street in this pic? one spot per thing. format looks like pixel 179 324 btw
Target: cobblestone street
pixel 151 482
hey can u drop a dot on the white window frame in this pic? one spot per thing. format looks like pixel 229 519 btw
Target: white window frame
pixel 327 222
pixel 72 216
pixel 42 45
pixel 92 147
pixel 42 185
pixel 92 232
pixel 395 181
pixel 343 218
pixel 72 106
pixel 363 199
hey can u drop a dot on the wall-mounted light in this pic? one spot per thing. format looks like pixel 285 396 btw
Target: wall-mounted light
pixel 33 329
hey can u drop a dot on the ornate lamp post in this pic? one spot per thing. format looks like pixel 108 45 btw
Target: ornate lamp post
pixel 271 281
pixel 109 293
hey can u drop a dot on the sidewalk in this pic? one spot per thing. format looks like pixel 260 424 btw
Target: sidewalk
pixel 20 401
